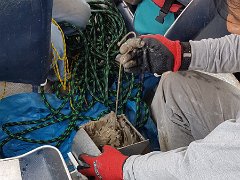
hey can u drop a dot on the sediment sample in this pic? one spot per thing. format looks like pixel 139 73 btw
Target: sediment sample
pixel 113 131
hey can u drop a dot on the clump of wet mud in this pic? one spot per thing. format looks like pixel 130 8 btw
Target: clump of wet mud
pixel 112 130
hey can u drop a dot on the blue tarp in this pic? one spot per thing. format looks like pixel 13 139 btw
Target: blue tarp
pixel 30 106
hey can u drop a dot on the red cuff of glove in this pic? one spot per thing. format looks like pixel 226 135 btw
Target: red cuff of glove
pixel 173 46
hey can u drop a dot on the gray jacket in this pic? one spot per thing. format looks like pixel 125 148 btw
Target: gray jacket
pixel 217 156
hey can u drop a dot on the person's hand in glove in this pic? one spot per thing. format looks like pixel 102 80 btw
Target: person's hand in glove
pixel 155 54
pixel 107 166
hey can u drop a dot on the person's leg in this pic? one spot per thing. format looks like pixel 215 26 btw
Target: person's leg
pixel 188 105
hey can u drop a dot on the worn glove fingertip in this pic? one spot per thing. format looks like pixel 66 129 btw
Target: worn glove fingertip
pixel 85 158
pixel 86 171
pixel 118 57
pixel 124 48
pixel 125 58
pixel 130 64
pixel 79 168
pixel 134 71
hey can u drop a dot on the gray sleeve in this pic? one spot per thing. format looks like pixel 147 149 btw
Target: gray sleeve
pixel 155 165
pixel 215 157
pixel 216 55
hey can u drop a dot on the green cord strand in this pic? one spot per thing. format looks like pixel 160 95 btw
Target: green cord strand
pixel 91 55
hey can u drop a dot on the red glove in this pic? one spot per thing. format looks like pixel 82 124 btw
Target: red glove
pixel 153 53
pixel 173 46
pixel 107 166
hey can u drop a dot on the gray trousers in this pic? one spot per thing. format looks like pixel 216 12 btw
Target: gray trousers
pixel 188 105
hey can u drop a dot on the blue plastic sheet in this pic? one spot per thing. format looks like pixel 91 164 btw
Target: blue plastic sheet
pixel 30 106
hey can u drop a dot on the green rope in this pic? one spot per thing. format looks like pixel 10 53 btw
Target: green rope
pixel 91 54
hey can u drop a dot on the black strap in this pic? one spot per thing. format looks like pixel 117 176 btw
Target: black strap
pixel 186 55
pixel 164 10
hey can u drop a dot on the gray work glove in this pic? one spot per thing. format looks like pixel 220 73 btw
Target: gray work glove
pixel 153 53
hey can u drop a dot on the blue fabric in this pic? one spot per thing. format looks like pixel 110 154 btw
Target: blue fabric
pixel 29 106
pixel 144 19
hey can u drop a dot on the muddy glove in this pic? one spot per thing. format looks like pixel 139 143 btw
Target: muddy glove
pixel 107 166
pixel 154 53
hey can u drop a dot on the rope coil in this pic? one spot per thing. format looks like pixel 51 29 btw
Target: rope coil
pixel 91 62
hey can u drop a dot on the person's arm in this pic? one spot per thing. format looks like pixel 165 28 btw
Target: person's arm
pixel 157 54
pixel 216 55
pixel 215 157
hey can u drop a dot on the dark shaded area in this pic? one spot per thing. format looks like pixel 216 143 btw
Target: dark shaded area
pixel 25 40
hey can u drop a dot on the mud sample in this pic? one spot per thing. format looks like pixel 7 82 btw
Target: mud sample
pixel 112 131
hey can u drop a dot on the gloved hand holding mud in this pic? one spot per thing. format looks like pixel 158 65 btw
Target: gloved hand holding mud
pixel 151 53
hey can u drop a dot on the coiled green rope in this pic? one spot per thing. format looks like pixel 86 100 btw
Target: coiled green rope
pixel 94 72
